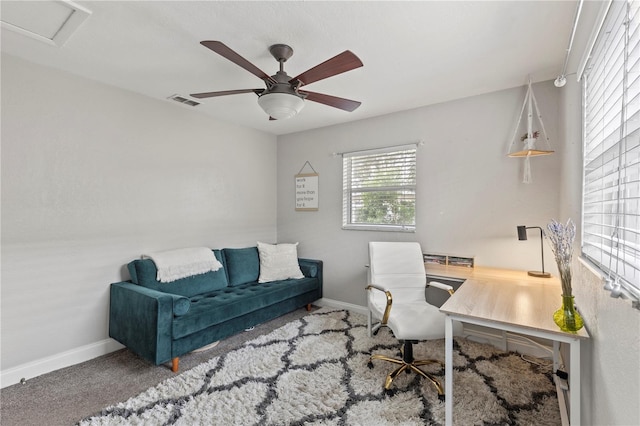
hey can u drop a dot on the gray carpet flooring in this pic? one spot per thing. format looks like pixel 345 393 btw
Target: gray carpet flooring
pixel 65 396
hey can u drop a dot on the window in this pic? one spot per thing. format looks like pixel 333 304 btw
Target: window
pixel 379 189
pixel 611 190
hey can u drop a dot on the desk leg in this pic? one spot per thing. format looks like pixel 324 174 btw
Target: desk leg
pixel 448 371
pixel 574 382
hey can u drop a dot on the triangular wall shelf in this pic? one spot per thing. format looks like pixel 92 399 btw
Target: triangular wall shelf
pixel 528 148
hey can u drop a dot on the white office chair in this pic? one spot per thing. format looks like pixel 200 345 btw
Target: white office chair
pixel 396 298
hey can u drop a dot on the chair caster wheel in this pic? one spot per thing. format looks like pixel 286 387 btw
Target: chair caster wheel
pixel 389 392
pixel 441 398
pixel 370 365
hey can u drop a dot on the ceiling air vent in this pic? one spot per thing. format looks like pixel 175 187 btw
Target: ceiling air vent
pixel 184 100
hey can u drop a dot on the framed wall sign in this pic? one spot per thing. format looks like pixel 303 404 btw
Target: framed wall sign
pixel 306 192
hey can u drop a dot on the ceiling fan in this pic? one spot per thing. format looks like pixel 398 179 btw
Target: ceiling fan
pixel 283 98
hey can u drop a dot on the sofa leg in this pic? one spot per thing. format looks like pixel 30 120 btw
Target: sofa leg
pixel 175 364
pixel 308 307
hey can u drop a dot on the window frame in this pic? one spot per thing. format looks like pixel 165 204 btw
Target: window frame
pixel 348 188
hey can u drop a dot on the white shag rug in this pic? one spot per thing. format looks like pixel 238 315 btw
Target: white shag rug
pixel 313 371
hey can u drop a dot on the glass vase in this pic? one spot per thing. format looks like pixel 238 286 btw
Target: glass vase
pixel 567 318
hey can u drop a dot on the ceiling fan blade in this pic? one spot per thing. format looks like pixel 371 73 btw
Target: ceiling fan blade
pixel 224 50
pixel 346 61
pixel 225 93
pixel 334 101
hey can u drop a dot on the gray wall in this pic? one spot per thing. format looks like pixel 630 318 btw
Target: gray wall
pixel 610 359
pixel 469 201
pixel 470 195
pixel 92 177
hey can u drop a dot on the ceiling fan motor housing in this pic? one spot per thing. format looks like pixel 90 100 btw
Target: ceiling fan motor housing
pixel 282 85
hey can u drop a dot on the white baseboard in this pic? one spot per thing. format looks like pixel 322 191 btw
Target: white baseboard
pixel 14 375
pixel 29 370
pixel 331 303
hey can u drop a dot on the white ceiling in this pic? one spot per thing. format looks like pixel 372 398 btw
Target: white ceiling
pixel 414 53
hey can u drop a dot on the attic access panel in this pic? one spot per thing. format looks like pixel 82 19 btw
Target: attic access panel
pixel 51 22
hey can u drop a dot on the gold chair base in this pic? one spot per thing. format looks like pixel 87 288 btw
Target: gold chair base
pixel 413 366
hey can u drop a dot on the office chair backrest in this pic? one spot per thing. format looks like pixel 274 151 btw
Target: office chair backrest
pixel 397 265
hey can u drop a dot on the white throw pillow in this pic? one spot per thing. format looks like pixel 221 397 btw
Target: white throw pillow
pixel 278 262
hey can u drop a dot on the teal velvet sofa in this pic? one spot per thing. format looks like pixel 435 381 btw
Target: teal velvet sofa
pixel 162 321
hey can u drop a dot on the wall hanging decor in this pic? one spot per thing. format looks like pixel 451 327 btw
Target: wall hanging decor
pixel 306 189
pixel 527 147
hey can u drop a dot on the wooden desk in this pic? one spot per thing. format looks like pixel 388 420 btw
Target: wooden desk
pixel 515 302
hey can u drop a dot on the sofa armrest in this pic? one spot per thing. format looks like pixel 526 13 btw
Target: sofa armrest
pixel 141 319
pixel 312 268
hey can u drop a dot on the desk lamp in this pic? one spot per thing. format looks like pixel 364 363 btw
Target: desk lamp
pixel 522 236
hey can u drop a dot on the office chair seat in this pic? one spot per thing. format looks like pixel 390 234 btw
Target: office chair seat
pixel 417 321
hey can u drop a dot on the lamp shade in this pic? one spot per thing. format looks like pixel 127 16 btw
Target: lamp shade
pixel 522 233
pixel 281 105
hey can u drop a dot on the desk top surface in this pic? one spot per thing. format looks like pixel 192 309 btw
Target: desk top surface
pixel 504 296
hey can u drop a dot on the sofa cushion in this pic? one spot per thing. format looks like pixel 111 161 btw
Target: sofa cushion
pixel 143 272
pixel 243 265
pixel 278 262
pixel 232 302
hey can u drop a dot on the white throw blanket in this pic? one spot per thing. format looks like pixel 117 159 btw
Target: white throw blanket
pixel 181 263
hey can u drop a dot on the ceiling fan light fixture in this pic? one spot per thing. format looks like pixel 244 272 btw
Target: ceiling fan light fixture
pixel 281 105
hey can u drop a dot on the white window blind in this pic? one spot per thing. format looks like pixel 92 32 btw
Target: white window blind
pixel 379 189
pixel 611 190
